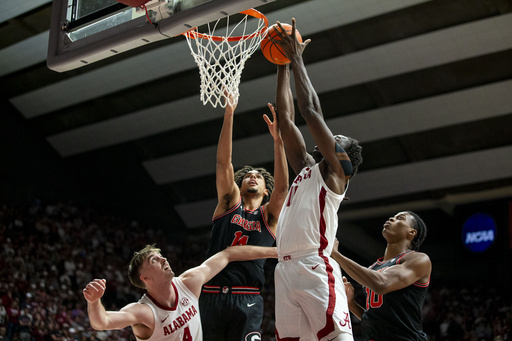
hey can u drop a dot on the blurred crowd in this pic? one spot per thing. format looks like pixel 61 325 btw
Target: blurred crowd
pixel 49 252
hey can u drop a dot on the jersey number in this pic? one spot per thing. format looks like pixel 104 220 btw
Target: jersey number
pixel 240 239
pixel 186 335
pixel 372 299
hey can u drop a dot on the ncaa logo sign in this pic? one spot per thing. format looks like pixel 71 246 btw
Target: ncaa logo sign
pixel 479 232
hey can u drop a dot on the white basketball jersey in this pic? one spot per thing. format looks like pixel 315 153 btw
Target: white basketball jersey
pixel 182 322
pixel 308 219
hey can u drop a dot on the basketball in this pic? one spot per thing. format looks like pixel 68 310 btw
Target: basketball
pixel 271 50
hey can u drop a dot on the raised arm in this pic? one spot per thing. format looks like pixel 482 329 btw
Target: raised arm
pixel 195 278
pixel 273 207
pixel 309 104
pixel 295 146
pixel 228 192
pixel 131 315
pixel 416 266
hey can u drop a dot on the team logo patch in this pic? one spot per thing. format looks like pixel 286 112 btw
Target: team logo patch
pixel 184 302
pixel 225 290
pixel 254 336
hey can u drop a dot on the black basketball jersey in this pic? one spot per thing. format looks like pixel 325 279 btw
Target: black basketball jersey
pixel 396 315
pixel 239 226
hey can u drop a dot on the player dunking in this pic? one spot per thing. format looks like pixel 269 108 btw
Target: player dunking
pixel 169 310
pixel 395 285
pixel 247 212
pixel 310 297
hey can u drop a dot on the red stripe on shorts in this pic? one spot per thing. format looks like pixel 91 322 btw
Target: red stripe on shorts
pixel 286 338
pixel 329 323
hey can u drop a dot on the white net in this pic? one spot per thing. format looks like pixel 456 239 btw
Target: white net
pixel 221 58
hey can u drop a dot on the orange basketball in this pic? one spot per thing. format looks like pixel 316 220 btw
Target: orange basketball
pixel 271 50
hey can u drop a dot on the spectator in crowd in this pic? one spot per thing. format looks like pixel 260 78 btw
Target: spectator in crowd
pixel 32 233
pixel 25 328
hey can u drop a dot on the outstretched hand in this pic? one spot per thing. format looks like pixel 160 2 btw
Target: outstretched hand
pixel 230 98
pixel 288 42
pixel 95 290
pixel 273 127
pixel 335 248
pixel 349 289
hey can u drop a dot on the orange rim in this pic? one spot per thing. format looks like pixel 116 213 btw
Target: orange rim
pixel 252 12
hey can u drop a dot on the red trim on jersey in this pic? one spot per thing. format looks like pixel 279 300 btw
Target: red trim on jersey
pixel 286 338
pixel 398 261
pixel 382 261
pixel 163 307
pixel 422 285
pixel 329 323
pixel 235 290
pixel 230 210
pixel 262 211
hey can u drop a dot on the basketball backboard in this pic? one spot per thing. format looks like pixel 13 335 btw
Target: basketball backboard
pixel 86 31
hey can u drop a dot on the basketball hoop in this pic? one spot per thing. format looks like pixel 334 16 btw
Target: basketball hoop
pixel 221 58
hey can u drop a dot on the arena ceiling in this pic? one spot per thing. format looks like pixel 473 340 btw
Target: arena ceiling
pixel 425 86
